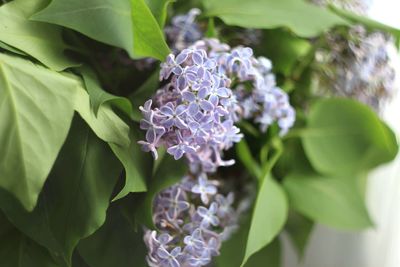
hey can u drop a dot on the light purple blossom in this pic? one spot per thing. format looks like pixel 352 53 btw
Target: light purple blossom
pixel 204 188
pixel 208 215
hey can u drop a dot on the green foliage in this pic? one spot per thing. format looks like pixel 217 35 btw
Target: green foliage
pixel 17 250
pixel 40 40
pixel 269 216
pixel 284 49
pixel 114 244
pixel 296 15
pixel 32 130
pixel 334 201
pixel 98 96
pixel 110 22
pixel 74 201
pixel 344 136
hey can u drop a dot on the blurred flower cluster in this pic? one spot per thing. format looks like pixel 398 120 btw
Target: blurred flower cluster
pixel 357 63
pixel 193 220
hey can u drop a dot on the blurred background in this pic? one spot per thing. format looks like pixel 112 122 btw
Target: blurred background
pixel 379 246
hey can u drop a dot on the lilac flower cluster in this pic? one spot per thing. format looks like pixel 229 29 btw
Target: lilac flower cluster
pixel 358 65
pixel 191 115
pixel 189 216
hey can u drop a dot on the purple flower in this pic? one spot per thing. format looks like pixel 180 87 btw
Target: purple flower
pixel 201 260
pixel 208 215
pixel 175 203
pixel 173 116
pixel 194 242
pixel 204 188
pixel 169 259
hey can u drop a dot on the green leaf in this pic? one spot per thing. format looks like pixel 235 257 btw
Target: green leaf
pixel 159 8
pixel 147 35
pixel 11 49
pixel 299 229
pixel 297 15
pixel 269 216
pixel 111 22
pixel 99 97
pixel 168 172
pixel 36 112
pixel 138 164
pixel 107 125
pixel 114 244
pixel 40 40
pixel 73 203
pixel 345 136
pixel 17 250
pixel 334 201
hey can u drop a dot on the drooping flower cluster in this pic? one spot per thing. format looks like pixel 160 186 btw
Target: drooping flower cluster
pixel 193 220
pixel 190 115
pixel 358 66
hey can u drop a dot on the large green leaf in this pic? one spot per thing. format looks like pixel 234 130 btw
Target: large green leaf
pixel 128 24
pixel 36 110
pixel 138 164
pixel 36 107
pixel 114 244
pixel 344 136
pixel 303 18
pixel 17 250
pixel 73 203
pixel 40 40
pixel 336 202
pixel 269 216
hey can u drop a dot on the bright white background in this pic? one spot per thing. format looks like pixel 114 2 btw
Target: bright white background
pixel 378 247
